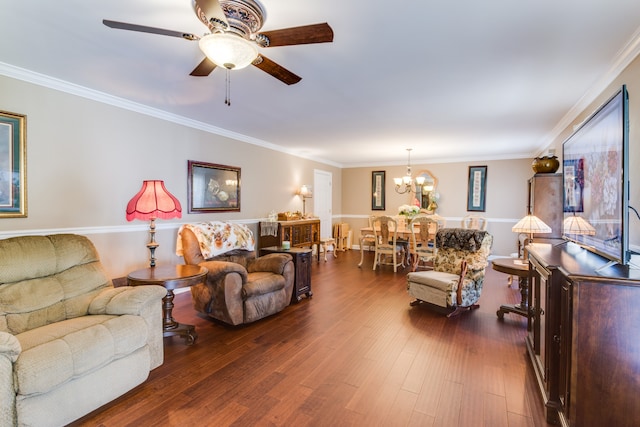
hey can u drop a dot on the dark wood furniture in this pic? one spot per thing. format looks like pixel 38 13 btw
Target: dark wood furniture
pixel 302 262
pixel 545 199
pixel 583 336
pixel 303 233
pixel 519 268
pixel 171 277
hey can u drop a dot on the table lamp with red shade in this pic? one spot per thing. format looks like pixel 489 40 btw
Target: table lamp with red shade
pixel 153 201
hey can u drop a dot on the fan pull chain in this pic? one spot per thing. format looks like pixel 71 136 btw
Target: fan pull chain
pixel 227 98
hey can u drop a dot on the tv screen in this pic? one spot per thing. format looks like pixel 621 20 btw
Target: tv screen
pixel 595 167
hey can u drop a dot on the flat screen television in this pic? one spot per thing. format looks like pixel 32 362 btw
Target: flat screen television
pixel 595 165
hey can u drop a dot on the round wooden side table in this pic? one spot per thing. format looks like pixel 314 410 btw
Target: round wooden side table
pixel 519 268
pixel 171 277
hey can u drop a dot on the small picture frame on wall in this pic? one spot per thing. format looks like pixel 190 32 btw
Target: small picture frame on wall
pixel 213 187
pixel 13 165
pixel 477 191
pixel 377 190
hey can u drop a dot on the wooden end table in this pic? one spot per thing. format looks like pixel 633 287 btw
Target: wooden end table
pixel 171 277
pixel 302 262
pixel 520 268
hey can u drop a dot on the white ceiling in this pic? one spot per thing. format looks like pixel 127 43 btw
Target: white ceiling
pixel 454 80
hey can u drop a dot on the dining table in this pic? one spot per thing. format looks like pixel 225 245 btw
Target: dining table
pixel 404 233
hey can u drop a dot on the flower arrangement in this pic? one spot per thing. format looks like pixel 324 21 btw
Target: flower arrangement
pixel 408 210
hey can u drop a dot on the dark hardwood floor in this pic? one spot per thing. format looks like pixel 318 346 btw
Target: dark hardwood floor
pixel 356 354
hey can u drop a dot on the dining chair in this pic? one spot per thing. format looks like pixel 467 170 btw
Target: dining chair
pixel 474 222
pixel 442 222
pixel 404 238
pixel 422 247
pixel 386 243
pixel 369 239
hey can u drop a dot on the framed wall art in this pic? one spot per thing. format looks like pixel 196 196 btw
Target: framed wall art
pixel 477 192
pixel 13 165
pixel 213 188
pixel 377 191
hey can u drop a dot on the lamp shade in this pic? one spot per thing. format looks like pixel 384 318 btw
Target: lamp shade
pixel 578 225
pixel 153 201
pixel 228 50
pixel 305 191
pixel 531 224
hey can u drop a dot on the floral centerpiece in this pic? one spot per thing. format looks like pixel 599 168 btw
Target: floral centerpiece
pixel 409 210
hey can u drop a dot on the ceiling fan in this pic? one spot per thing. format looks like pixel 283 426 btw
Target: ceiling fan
pixel 234 37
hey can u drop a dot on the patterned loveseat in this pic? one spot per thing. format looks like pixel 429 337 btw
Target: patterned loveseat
pixel 458 270
pixel 240 288
pixel 69 341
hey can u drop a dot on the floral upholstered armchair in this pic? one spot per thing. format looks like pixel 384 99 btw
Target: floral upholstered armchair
pixel 458 271
pixel 239 288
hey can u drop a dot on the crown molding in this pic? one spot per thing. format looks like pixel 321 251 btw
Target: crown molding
pixel 102 97
pixel 622 59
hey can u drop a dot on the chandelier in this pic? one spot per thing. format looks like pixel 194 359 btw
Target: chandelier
pixel 405 183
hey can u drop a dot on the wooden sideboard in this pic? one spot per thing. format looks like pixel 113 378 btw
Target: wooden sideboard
pixel 545 199
pixel 584 336
pixel 304 233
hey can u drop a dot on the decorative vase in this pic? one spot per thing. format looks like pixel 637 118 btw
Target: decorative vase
pixel 545 164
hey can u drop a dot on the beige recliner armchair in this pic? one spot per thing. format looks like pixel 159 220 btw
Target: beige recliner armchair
pixel 69 341
pixel 240 288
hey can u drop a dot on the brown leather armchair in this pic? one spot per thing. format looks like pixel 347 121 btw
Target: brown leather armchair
pixel 240 288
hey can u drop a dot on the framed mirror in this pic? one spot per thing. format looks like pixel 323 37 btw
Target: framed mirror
pixel 425 193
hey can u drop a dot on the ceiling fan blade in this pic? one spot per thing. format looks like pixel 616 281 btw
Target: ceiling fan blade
pixel 206 10
pixel 306 34
pixel 204 68
pixel 145 29
pixel 277 71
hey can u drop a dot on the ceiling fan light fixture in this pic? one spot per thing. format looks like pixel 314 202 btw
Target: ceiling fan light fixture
pixel 228 50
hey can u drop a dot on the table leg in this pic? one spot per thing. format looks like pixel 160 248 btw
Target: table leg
pixel 169 324
pixel 523 308
pixel 361 251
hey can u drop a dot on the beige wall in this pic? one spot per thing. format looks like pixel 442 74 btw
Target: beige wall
pixel 630 77
pixel 86 159
pixel 506 197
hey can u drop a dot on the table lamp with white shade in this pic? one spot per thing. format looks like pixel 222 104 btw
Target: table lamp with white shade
pixel 577 225
pixel 530 225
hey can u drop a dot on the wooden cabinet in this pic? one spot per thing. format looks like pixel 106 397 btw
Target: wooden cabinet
pixel 304 233
pixel 302 262
pixel 542 342
pixel 545 199
pixel 584 336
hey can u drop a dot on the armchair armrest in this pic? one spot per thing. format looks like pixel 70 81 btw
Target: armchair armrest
pixel 219 269
pixel 274 263
pixel 9 346
pixel 463 272
pixel 10 349
pixel 221 294
pixel 126 299
pixel 144 301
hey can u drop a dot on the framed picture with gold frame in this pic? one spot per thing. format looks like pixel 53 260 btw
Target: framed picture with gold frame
pixel 213 187
pixel 13 165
